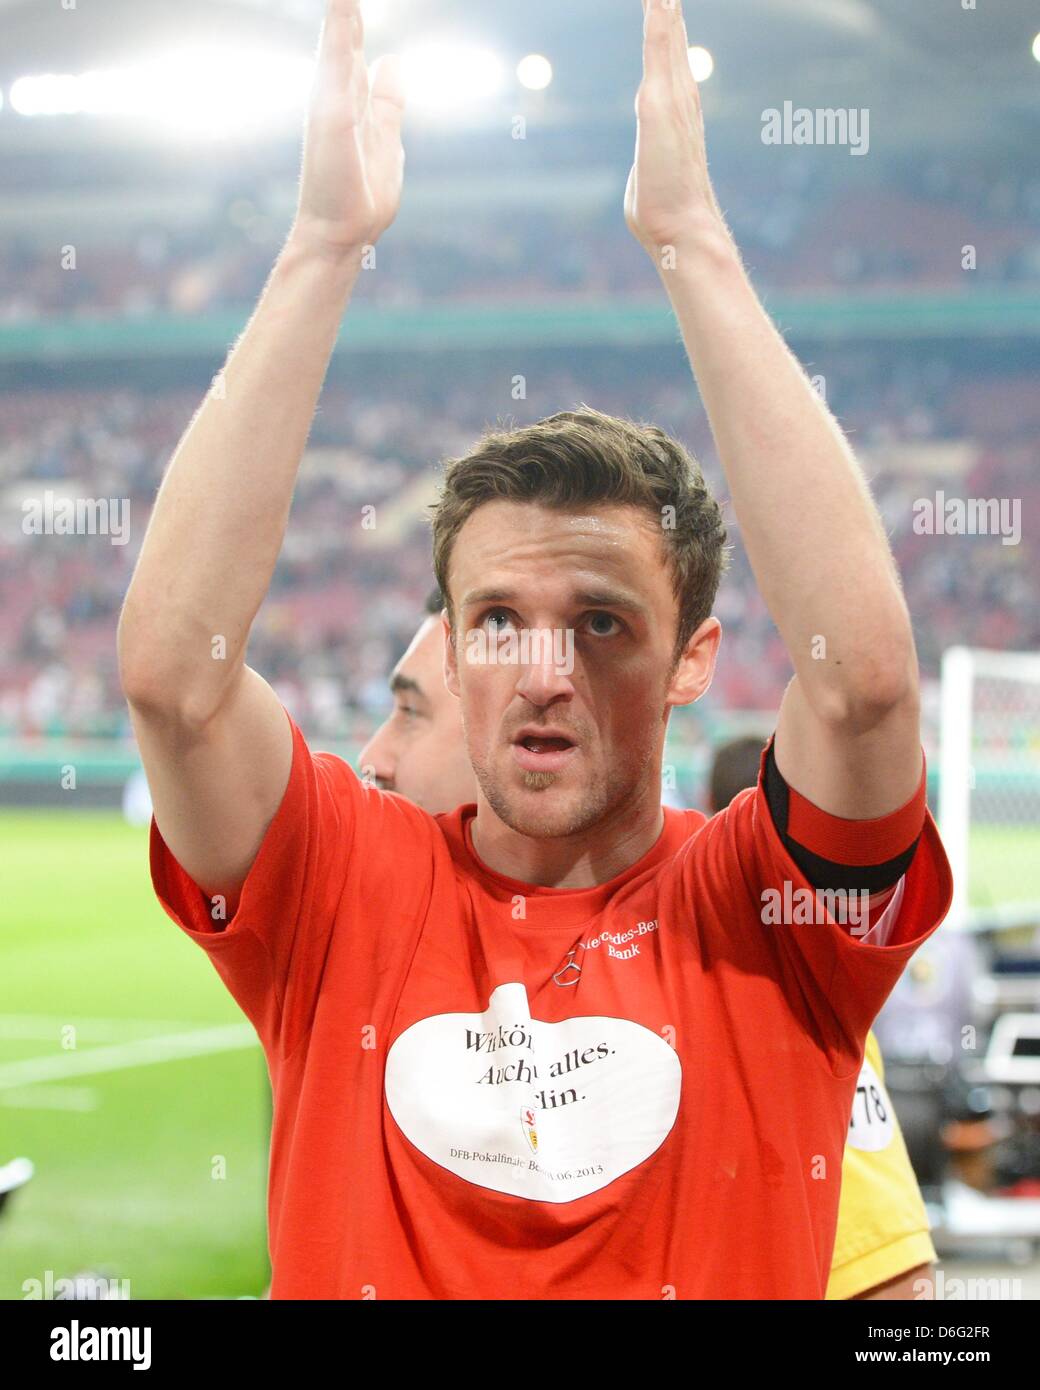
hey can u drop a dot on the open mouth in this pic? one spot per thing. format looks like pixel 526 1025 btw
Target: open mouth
pixel 546 745
pixel 549 752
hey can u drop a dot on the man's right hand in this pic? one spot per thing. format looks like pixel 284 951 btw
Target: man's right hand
pixel 214 738
pixel 353 160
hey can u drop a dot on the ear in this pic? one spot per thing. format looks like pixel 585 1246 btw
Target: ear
pixel 696 665
pixel 451 658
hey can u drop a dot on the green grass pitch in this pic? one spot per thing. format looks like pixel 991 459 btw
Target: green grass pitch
pixel 153 1172
pixel 1005 865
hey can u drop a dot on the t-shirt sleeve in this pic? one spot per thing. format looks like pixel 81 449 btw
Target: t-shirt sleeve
pixel 271 952
pixel 835 971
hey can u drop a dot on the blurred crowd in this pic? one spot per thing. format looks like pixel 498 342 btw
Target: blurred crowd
pixel 355 569
pixel 799 228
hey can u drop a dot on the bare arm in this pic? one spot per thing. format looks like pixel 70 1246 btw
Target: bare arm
pixel 903 1286
pixel 848 731
pixel 215 742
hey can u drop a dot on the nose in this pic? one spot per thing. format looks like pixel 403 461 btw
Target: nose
pixel 376 760
pixel 542 682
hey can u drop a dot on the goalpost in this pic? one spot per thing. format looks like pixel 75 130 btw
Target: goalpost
pixel 989 792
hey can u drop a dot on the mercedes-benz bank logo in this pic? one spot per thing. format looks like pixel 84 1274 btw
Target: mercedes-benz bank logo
pixel 618 945
pixel 570 970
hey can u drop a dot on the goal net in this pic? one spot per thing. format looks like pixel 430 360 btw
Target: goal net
pixel 989 791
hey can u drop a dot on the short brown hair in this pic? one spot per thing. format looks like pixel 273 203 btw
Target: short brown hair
pixel 583 457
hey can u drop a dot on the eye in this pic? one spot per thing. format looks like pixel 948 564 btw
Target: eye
pixel 603 624
pixel 498 619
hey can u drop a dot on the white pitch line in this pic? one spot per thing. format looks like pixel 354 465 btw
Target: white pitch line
pixel 91 1061
pixel 81 1098
pixel 47 1027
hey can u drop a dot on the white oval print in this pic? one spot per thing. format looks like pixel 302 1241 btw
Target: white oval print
pixel 871 1126
pixel 546 1111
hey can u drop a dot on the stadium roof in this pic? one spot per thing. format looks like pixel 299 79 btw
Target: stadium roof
pixel 933 71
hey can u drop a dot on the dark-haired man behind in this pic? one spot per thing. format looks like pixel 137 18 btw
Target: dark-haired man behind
pixel 419 750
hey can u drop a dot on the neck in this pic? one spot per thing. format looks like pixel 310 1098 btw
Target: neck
pixel 582 860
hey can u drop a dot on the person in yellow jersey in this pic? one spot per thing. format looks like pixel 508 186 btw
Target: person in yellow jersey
pixel 883 1246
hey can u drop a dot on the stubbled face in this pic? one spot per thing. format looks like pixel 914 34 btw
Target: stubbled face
pixel 557 752
pixel 419 751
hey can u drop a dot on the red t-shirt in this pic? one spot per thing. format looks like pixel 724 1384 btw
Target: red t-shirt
pixel 485 1089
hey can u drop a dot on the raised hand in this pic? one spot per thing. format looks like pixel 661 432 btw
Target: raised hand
pixel 353 160
pixel 669 199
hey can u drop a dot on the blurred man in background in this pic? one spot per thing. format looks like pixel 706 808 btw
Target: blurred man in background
pixel 419 750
